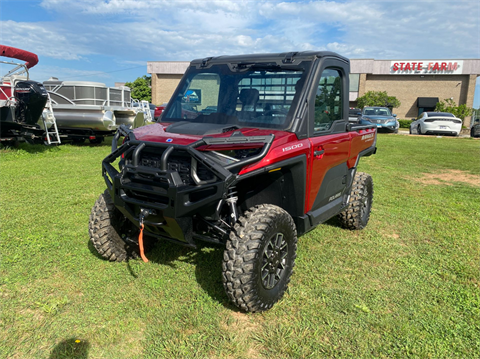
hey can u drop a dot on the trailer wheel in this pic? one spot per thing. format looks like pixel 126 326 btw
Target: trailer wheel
pixel 106 226
pixel 259 258
pixel 78 141
pixel 357 214
pixel 96 141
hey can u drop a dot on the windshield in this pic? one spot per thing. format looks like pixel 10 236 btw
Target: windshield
pixel 376 111
pixel 258 95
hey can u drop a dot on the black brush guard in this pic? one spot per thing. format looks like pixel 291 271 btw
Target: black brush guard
pixel 172 199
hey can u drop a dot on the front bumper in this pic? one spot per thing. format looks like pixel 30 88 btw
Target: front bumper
pixel 177 182
pixel 435 129
pixel 389 126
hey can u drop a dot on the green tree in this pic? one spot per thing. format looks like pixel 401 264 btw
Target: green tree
pixel 378 98
pixel 450 106
pixel 141 88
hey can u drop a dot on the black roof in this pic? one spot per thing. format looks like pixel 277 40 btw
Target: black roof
pixel 277 57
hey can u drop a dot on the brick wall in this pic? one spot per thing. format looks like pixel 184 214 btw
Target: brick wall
pixel 163 86
pixel 409 87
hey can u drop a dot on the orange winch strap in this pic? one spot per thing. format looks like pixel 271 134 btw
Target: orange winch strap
pixel 140 243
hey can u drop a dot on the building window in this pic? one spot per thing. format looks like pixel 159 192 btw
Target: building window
pixel 354 82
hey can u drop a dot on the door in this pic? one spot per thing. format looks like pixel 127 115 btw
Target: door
pixel 330 148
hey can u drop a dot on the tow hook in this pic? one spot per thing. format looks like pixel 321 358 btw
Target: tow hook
pixel 143 213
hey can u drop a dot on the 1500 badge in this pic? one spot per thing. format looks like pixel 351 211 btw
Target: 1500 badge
pixel 289 148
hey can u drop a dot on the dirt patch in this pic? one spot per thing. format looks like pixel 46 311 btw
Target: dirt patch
pixel 242 322
pixel 245 327
pixel 449 177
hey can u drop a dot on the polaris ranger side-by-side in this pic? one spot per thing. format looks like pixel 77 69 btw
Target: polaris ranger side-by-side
pixel 251 152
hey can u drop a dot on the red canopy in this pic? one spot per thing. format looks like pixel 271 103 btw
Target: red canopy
pixel 30 58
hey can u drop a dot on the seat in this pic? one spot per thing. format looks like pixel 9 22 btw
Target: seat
pixel 249 99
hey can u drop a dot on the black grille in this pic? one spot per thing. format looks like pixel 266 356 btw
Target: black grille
pixel 181 165
pixel 177 163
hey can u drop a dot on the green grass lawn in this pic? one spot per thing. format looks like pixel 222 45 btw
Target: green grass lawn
pixel 405 286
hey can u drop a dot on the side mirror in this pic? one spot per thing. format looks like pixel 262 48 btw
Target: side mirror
pixel 414 119
pixel 359 114
pixel 394 115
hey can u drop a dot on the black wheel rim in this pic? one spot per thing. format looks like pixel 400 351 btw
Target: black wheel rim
pixel 365 203
pixel 274 260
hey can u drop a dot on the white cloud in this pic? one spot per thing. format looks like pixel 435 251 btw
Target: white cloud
pixel 42 39
pixel 145 30
pixel 43 73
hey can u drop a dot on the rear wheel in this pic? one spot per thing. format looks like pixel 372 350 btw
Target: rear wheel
pixel 357 214
pixel 259 258
pixel 419 130
pixel 107 225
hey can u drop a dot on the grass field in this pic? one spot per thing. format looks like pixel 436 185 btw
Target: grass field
pixel 406 286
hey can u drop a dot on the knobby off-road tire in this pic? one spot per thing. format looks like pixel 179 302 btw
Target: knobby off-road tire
pixel 105 223
pixel 259 258
pixel 357 214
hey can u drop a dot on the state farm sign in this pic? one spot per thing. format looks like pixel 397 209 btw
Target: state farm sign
pixel 426 67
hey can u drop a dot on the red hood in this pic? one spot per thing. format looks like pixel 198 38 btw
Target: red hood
pixel 30 58
pixel 156 133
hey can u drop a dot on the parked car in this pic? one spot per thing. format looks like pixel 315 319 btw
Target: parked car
pixel 475 129
pixel 380 116
pixel 354 114
pixel 436 123
pixel 159 110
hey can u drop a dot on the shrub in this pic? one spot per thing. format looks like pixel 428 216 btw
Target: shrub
pixel 404 123
pixel 378 98
pixel 448 105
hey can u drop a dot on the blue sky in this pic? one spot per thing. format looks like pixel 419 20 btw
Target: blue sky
pixel 112 40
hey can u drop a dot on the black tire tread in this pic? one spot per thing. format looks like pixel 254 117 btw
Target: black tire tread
pixel 351 216
pixel 241 252
pixel 103 235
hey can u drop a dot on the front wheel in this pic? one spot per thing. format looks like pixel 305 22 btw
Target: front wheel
pixel 106 226
pixel 259 258
pixel 357 213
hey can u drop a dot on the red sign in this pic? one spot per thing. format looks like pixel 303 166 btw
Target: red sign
pixel 426 67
